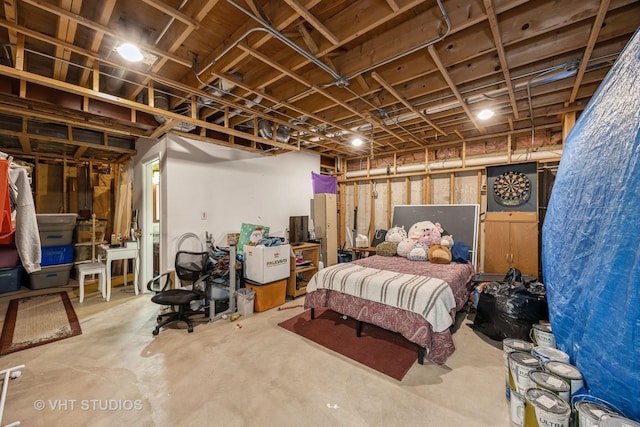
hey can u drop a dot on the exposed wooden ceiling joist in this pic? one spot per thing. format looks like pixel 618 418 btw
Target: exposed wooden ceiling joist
pixel 402 74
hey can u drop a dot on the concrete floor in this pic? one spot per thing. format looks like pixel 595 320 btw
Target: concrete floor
pixel 243 373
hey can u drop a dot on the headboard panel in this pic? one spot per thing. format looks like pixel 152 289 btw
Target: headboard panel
pixel 461 221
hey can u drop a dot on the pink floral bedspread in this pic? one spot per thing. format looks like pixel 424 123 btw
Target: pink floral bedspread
pixel 412 326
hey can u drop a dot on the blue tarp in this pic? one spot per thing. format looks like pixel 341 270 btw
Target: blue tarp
pixel 591 239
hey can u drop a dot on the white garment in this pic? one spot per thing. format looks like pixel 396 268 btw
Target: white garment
pixel 27 233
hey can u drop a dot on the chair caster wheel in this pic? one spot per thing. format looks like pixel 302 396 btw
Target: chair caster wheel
pixel 159 319
pixel 190 329
pixel 156 332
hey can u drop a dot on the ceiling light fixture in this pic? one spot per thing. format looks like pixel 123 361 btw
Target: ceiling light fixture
pixel 485 114
pixel 130 52
pixel 356 142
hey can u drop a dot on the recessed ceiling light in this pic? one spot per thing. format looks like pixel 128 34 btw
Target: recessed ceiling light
pixel 485 114
pixel 130 52
pixel 356 142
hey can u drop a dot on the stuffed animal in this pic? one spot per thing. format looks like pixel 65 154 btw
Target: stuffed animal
pixel 447 241
pixel 395 235
pixel 439 254
pixel 430 237
pixel 417 230
pixel 405 246
pixel 418 253
pixel 387 249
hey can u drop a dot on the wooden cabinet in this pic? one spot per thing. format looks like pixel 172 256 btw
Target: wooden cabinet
pixel 511 240
pixel 301 272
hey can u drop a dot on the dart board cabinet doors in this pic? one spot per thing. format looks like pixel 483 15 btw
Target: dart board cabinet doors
pixel 511 231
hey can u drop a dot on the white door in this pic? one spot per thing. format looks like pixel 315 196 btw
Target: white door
pixel 150 218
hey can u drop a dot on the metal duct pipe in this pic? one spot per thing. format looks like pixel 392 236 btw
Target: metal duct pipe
pixel 456 163
pixel 160 100
pixel 249 103
pixel 115 83
pixel 265 130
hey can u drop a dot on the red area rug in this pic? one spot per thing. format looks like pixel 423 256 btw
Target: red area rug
pixel 385 351
pixel 38 320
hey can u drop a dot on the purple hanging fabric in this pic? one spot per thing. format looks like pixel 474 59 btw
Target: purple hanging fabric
pixel 324 183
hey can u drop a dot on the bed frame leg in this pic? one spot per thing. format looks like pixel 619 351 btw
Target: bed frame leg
pixel 358 328
pixel 421 354
pixel 313 313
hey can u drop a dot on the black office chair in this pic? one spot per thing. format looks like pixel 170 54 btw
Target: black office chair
pixel 190 267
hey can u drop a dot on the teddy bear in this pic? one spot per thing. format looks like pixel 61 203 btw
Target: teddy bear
pixel 405 246
pixel 396 234
pixel 419 253
pixel 430 237
pixel 417 230
pixel 447 241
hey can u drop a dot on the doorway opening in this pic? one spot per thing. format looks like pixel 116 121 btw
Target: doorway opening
pixel 151 220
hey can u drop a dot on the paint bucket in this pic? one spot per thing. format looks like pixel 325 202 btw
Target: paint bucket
pixel 550 382
pixel 547 353
pixel 510 345
pixel 520 364
pixel 543 408
pixel 589 413
pixel 542 336
pixel 617 421
pixel 517 408
pixel 567 372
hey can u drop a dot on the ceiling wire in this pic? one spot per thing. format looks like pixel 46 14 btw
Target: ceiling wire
pixel 568 66
pixel 339 80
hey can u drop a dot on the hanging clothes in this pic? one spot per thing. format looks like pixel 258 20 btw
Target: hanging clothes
pixel 6 225
pixel 27 234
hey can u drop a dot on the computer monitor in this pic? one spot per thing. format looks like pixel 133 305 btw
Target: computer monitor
pixel 298 229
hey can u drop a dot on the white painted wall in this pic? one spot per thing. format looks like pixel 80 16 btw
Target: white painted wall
pixel 230 186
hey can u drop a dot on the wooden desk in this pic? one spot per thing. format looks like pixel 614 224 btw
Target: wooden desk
pixel 125 252
pixel 363 252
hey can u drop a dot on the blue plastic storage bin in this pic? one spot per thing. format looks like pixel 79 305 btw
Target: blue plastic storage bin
pixel 10 279
pixel 54 255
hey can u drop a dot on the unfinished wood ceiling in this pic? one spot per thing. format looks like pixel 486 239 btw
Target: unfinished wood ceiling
pixel 280 75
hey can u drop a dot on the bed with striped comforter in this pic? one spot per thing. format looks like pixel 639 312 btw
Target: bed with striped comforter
pixel 416 299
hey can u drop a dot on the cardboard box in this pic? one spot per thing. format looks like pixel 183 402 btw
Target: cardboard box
pixel 268 295
pixel 266 264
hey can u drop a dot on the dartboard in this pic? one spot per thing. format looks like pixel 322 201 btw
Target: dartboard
pixel 512 188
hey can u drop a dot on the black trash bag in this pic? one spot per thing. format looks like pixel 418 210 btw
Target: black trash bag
pixel 508 309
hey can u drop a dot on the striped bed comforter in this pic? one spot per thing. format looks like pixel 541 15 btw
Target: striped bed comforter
pixel 428 297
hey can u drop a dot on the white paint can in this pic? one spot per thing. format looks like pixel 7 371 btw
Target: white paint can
pixel 567 372
pixel 589 413
pixel 547 353
pixel 550 382
pixel 517 408
pixel 510 345
pixel 520 364
pixel 542 335
pixel 617 421
pixel 543 409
